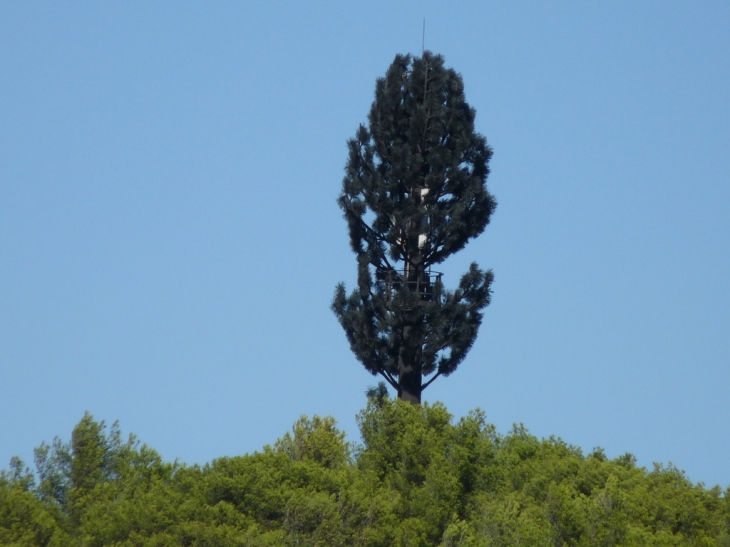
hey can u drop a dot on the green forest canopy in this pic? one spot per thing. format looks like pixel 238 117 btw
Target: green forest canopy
pixel 418 479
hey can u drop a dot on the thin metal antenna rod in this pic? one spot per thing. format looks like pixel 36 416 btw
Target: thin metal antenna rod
pixel 423 38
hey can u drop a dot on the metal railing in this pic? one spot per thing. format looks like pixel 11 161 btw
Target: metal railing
pixel 392 281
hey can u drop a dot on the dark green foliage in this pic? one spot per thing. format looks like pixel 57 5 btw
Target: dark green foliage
pixel 418 479
pixel 377 393
pixel 414 193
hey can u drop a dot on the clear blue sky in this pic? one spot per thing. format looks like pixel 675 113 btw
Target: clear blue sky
pixel 170 242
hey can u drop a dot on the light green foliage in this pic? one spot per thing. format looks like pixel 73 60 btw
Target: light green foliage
pixel 316 440
pixel 24 519
pixel 418 479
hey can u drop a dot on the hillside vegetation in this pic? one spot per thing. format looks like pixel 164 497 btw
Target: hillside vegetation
pixel 418 479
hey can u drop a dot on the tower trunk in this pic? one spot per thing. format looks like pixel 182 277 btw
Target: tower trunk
pixel 409 363
pixel 409 372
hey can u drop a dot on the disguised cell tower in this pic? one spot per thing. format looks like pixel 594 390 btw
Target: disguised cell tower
pixel 414 193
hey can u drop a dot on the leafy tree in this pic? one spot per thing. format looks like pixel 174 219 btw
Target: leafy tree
pixel 418 479
pixel 317 439
pixel 24 519
pixel 413 194
pixel 68 472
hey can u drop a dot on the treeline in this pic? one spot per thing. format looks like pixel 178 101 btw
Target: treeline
pixel 417 479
